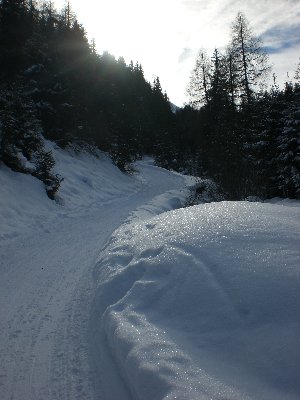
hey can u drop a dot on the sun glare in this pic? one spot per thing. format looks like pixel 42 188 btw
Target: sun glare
pixel 148 32
pixel 129 28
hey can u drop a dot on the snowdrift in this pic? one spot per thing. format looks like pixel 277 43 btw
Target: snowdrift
pixel 204 303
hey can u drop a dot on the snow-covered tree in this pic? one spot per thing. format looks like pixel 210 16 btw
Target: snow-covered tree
pixel 21 142
pixel 200 81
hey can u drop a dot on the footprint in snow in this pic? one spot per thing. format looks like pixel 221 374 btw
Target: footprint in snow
pixel 150 226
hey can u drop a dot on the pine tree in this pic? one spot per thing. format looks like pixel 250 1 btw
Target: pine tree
pixel 93 46
pixel 297 75
pixel 15 29
pixel 288 145
pixel 199 84
pixel 21 145
pixel 249 62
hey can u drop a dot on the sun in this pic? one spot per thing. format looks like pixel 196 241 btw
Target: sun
pixel 121 27
pixel 132 28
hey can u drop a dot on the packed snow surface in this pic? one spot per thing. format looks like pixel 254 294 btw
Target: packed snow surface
pixel 109 295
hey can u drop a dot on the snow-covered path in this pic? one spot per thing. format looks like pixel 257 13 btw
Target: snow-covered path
pixel 46 289
pixel 108 297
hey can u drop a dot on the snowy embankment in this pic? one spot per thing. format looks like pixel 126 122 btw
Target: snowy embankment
pixel 204 303
pixel 89 182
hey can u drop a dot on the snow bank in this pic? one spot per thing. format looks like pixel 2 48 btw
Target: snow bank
pixel 23 200
pixel 204 303
pixel 89 181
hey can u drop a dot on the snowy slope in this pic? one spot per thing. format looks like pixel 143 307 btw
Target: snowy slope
pixel 109 295
pixel 204 303
pixel 47 254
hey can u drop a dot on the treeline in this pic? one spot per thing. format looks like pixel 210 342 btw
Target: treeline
pixel 53 83
pixel 247 138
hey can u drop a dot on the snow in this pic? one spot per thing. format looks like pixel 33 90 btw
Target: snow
pixel 204 302
pixel 117 292
pixel 90 181
pixel 23 201
pixel 48 251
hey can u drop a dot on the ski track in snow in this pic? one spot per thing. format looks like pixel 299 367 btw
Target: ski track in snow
pixel 46 292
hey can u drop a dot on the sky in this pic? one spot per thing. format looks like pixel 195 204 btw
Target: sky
pixel 164 36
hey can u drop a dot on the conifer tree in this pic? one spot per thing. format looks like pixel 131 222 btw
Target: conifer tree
pixel 15 29
pixel 199 84
pixel 249 62
pixel 297 74
pixel 288 145
pixel 21 144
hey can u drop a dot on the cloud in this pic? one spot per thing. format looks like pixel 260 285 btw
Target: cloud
pixel 196 5
pixel 185 54
pixel 280 38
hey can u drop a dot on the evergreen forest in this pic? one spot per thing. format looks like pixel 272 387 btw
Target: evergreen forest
pixel 237 129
